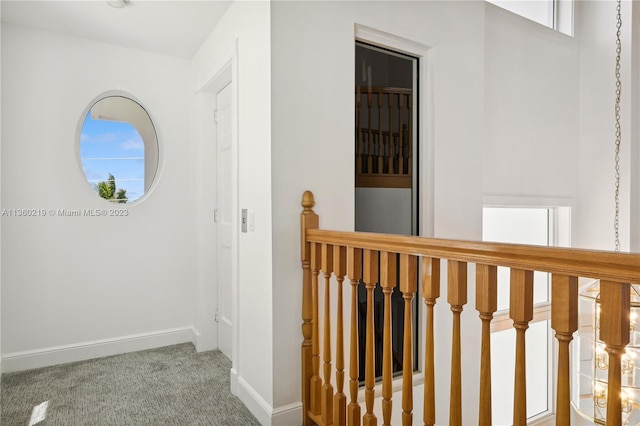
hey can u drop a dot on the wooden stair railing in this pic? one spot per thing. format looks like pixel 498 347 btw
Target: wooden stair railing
pixel 383 137
pixel 380 259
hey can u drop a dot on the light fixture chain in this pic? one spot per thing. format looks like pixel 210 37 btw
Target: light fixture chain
pixel 616 221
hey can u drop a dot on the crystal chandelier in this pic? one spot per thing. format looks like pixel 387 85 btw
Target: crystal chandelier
pixel 591 361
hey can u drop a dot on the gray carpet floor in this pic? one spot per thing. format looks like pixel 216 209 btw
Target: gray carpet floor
pixel 173 385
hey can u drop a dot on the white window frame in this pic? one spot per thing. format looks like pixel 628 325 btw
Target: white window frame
pixel 560 13
pixel 559 234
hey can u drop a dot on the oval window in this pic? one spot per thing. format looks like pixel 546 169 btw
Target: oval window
pixel 118 149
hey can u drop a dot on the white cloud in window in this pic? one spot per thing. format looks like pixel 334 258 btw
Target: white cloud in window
pixel 101 138
pixel 93 174
pixel 134 142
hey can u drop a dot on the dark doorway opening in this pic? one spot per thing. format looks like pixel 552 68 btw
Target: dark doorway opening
pixel 386 177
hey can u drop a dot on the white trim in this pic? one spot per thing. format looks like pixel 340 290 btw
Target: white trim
pixel 234 375
pixel 426 163
pixel 26 360
pixel 390 41
pixel 204 341
pixel 290 414
pixel 543 419
pixel 220 79
pixel 254 402
pixel 235 233
pixel 518 201
pixel 218 68
pixel 564 213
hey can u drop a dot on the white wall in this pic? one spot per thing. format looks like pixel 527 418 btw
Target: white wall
pixel 76 287
pixel 313 67
pixel 597 131
pixel 531 96
pixel 245 25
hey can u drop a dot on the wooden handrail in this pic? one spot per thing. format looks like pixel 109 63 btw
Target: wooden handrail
pixel 382 89
pixel 614 266
pixel 386 261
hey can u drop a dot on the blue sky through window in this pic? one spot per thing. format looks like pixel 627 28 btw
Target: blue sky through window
pixel 113 147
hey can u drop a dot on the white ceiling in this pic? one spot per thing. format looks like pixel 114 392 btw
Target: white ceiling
pixel 175 28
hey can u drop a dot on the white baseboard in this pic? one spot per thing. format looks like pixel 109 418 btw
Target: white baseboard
pixel 254 402
pixel 27 360
pixel 234 381
pixel 287 415
pixel 204 341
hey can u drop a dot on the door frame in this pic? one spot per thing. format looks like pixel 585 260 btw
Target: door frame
pixel 224 72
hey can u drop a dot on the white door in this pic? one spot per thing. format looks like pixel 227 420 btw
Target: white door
pixel 225 214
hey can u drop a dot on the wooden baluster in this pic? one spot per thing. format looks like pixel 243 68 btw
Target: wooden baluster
pixel 370 150
pixel 409 132
pixel 380 138
pixel 486 305
pixel 340 399
pixel 316 380
pixel 564 320
pixel 408 287
pixel 390 122
pixel 354 271
pixel 401 167
pixel 370 280
pixel 308 220
pixel 327 388
pixel 457 298
pixel 430 292
pixel 359 139
pixel 614 332
pixel 521 312
pixel 386 146
pixel 387 282
pixel 367 151
pixel 391 154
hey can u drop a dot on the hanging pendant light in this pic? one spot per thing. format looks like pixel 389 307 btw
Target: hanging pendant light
pixel 591 361
pixel 590 358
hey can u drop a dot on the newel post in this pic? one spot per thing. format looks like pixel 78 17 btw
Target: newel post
pixel 308 220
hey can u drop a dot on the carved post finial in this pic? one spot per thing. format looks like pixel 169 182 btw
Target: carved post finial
pixel 308 201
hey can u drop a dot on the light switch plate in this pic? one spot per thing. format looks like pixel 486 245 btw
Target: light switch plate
pixel 243 226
